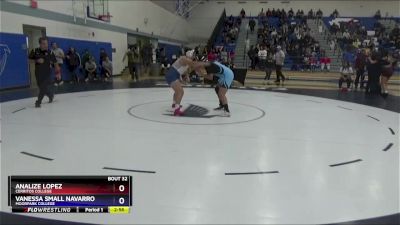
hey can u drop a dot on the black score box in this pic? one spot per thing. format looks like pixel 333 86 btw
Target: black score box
pixel 93 210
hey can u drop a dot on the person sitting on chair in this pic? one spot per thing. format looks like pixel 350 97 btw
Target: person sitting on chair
pixel 325 62
pixel 345 75
pixel 90 67
pixel 107 69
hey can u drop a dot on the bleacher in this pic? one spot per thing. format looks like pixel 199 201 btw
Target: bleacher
pixel 220 42
pixel 367 22
pixel 275 22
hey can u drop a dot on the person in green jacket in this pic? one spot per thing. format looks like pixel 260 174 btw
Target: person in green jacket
pixel 85 58
pixel 133 61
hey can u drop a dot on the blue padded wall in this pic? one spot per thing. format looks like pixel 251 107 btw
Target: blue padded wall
pixel 14 70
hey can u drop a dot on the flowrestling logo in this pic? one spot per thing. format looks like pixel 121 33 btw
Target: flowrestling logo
pixel 4 52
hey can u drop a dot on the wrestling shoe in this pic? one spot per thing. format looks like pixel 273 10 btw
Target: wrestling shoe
pixel 226 114
pixel 178 112
pixel 219 108
pixel 172 109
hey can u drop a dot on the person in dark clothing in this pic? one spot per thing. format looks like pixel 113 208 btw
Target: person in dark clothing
pixel 146 53
pixel 85 58
pixel 44 60
pixel 252 24
pixel 131 65
pixel 252 54
pixel 269 65
pixel 256 59
pixel 388 66
pixel 374 69
pixel 103 56
pixel 73 62
pixel 242 13
pixel 360 67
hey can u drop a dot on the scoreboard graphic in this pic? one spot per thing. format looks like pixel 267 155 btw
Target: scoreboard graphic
pixel 70 194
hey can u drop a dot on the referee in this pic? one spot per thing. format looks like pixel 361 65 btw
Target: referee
pixel 44 60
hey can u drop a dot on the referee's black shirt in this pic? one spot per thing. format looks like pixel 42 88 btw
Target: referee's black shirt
pixel 43 70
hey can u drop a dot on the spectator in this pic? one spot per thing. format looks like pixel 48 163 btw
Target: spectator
pixel 85 58
pixel 73 63
pixel 320 28
pixel 131 66
pixel 395 33
pixel 313 62
pixel 387 72
pixel 374 69
pixel 356 43
pixel 262 13
pixel 262 57
pixel 306 63
pixel 133 62
pixel 212 56
pixel 345 71
pixel 107 69
pixel 242 13
pixel 59 54
pixel 346 35
pixel 224 56
pixel 378 15
pixel 247 44
pixel 333 45
pixel 231 56
pixel 252 24
pixel 310 14
pixel 325 63
pixel 90 67
pixel 103 55
pixel 164 61
pixel 290 13
pixel 348 57
pixel 147 55
pixel 361 60
pixel 136 62
pixel 279 62
pixel 269 65
pixel 251 55
pixel 44 59
pixel 255 55
pixel 319 14
pixel 335 13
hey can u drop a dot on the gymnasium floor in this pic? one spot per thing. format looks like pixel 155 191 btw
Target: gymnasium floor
pixel 284 156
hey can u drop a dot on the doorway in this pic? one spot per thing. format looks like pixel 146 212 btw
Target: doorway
pixel 33 34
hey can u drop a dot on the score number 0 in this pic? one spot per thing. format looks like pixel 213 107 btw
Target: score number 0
pixel 121 200
pixel 121 188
